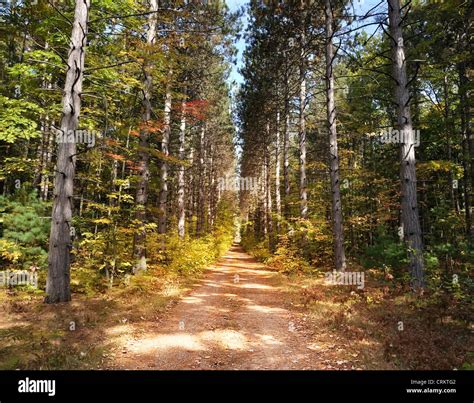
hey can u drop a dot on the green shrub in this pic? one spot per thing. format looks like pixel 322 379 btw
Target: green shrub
pixel 191 256
pixel 25 225
pixel 387 253
pixel 258 248
pixel 287 259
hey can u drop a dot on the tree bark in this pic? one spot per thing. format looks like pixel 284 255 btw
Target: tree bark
pixel 144 155
pixel 202 175
pixel 338 232
pixel 181 182
pixel 164 164
pixel 467 147
pixel 277 171
pixel 44 185
pixel 59 257
pixel 286 160
pixel 409 214
pixel 447 128
pixel 191 200
pixel 268 190
pixel 302 120
pixel 210 191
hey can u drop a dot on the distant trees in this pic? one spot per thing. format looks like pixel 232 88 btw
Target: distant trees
pixel 329 56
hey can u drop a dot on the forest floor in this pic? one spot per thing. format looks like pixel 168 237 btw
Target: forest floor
pixel 238 314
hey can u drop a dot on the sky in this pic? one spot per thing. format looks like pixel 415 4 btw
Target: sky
pixel 235 5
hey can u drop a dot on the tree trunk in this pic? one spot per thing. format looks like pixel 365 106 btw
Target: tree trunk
pixel 302 121
pixel 59 258
pixel 181 183
pixel 191 188
pixel 409 214
pixel 44 185
pixel 468 152
pixel 164 164
pixel 277 172
pixel 210 191
pixel 202 176
pixel 268 190
pixel 333 149
pixel 264 200
pixel 40 154
pixel 144 155
pixel 286 161
pixel 447 129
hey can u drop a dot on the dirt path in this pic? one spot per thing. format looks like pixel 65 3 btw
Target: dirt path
pixel 236 318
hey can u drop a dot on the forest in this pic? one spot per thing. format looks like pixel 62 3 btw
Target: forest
pixel 262 184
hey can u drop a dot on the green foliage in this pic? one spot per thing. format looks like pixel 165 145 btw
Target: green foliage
pixel 191 256
pixel 388 254
pixel 17 119
pixel 287 258
pixel 252 244
pixel 101 257
pixel 26 225
pixel 9 251
pixel 454 275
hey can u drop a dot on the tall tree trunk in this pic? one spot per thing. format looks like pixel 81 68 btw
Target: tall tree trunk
pixel 40 156
pixel 164 164
pixel 302 118
pixel 210 181
pixel 447 128
pixel 277 172
pixel 264 200
pixel 467 147
pixel 286 160
pixel 144 155
pixel 191 188
pixel 59 257
pixel 268 189
pixel 409 214
pixel 41 176
pixel 44 185
pixel 202 175
pixel 181 182
pixel 333 147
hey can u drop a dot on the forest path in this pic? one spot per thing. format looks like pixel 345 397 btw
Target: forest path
pixel 238 317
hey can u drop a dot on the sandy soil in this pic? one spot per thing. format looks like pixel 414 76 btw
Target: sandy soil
pixel 236 318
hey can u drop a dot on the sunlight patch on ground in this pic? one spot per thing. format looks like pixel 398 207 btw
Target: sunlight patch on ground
pixel 226 338
pixel 258 286
pixel 169 341
pixel 268 339
pixel 212 284
pixel 191 300
pixel 265 309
